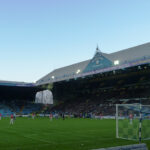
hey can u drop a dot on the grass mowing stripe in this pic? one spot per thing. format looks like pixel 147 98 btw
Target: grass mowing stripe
pixel 70 134
pixel 30 137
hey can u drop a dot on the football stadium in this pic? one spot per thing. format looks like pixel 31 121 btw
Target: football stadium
pixel 97 103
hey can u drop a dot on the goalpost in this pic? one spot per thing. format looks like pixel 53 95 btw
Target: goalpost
pixel 133 121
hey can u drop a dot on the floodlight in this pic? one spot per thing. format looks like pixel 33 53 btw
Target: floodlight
pixel 78 71
pixel 53 77
pixel 116 62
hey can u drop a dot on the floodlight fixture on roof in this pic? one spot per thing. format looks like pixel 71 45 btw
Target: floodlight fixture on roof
pixel 116 62
pixel 78 71
pixel 53 77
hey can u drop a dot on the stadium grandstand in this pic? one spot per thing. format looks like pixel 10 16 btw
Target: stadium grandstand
pixel 86 87
pixel 17 97
pixel 94 85
pixel 89 90
pixel 126 58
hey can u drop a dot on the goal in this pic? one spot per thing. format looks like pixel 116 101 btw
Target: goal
pixel 133 121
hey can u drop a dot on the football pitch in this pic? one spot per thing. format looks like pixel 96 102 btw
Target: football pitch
pixel 68 134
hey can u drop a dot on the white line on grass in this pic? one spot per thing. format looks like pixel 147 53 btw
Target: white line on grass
pixel 37 139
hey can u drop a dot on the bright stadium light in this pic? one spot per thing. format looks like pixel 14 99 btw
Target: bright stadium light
pixel 116 62
pixel 78 71
pixel 53 77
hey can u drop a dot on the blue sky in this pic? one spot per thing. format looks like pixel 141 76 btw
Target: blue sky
pixel 37 36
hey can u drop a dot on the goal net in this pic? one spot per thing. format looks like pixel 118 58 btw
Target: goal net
pixel 133 121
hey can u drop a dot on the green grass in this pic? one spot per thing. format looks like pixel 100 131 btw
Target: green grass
pixel 131 131
pixel 127 130
pixel 69 134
